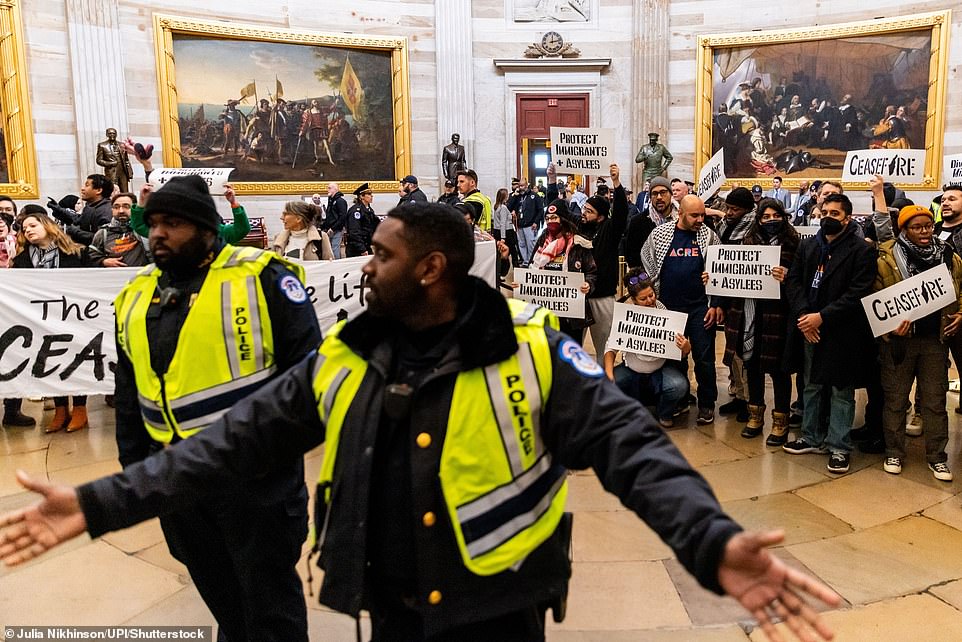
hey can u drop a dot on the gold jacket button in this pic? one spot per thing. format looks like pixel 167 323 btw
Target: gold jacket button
pixel 429 519
pixel 434 597
pixel 423 440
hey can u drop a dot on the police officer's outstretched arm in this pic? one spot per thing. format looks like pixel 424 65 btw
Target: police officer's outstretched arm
pixel 261 433
pixel 588 422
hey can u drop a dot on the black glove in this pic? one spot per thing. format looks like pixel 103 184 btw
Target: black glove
pixel 62 214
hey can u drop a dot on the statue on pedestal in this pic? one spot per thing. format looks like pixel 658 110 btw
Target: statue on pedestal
pixel 452 159
pixel 113 158
pixel 655 156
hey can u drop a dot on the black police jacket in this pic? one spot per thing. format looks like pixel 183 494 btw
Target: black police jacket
pixel 588 422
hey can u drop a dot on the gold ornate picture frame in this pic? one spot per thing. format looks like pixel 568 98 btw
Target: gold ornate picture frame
pixel 18 160
pixel 290 110
pixel 792 102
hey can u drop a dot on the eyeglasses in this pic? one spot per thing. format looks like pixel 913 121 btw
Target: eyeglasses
pixel 928 227
pixel 660 192
pixel 635 280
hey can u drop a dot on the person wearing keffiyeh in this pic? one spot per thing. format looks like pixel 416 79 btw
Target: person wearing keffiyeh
pixel 916 351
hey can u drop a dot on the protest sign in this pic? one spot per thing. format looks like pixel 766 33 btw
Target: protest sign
pixel 712 175
pixel 559 292
pixel 57 328
pixel 214 176
pixel 805 231
pixel 742 271
pixel 898 165
pixel 582 149
pixel 909 299
pixel 952 169
pixel 646 331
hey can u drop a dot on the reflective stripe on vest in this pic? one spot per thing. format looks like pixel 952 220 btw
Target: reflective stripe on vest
pixel 205 376
pixel 503 493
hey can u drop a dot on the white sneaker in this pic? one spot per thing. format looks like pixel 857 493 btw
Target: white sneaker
pixel 914 427
pixel 892 465
pixel 941 471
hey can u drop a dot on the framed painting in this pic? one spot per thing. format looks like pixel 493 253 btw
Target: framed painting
pixel 18 159
pixel 793 102
pixel 291 111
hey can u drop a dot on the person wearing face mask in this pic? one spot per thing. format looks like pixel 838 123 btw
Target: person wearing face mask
pixel 647 378
pixel 116 244
pixel 756 330
pixel 831 273
pixel 8 241
pixel 562 249
pixel 916 351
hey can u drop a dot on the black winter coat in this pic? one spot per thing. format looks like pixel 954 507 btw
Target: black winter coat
pixel 587 422
pixel 846 353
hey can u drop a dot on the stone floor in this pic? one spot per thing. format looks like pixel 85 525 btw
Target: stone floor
pixel 890 545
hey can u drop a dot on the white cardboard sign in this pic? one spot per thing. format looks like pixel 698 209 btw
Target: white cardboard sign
pixel 559 292
pixel 805 231
pixel 646 331
pixel 897 165
pixel 582 150
pixel 909 299
pixel 712 175
pixel 952 169
pixel 215 176
pixel 743 271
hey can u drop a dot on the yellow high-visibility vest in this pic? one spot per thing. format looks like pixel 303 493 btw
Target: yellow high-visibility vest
pixel 503 493
pixel 224 352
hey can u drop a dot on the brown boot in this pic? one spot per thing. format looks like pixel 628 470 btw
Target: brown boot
pixel 78 419
pixel 756 421
pixel 779 434
pixel 59 420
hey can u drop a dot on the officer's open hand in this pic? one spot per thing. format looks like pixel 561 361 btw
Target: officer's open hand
pixel 30 532
pixel 770 590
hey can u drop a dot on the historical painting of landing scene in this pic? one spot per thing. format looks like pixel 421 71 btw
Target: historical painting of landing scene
pixel 283 112
pixel 795 109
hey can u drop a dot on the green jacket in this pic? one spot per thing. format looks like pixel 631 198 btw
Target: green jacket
pixel 889 275
pixel 230 233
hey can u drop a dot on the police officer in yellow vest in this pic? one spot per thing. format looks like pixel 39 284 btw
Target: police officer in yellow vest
pixel 205 326
pixel 449 418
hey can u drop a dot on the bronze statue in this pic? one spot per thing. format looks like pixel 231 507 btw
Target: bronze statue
pixel 655 156
pixel 452 158
pixel 112 157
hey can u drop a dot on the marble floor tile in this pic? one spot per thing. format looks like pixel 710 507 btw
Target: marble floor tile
pixel 605 596
pixel 68 450
pixel 701 450
pixel 615 536
pixel 801 520
pixel 136 538
pixel 159 555
pixel 183 608
pixel 85 472
pixel 871 497
pixel 896 558
pixel 14 440
pixel 122 587
pixel 950 593
pixel 33 462
pixel 756 476
pixel 585 493
pixel 730 633
pixel 948 512
pixel 903 619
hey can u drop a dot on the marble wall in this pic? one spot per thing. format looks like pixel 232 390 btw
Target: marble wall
pixel 649 83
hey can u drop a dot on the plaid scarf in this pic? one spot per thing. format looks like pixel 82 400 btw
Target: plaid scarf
pixel 46 259
pixel 913 259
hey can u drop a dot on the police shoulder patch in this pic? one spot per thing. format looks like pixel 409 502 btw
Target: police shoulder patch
pixel 292 288
pixel 357 215
pixel 570 351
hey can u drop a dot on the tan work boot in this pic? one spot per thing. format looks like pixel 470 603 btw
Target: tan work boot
pixel 59 420
pixel 779 434
pixel 78 419
pixel 756 421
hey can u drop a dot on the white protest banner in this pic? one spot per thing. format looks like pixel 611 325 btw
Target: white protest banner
pixel 742 271
pixel 712 175
pixel 214 176
pixel 582 149
pixel 909 300
pixel 952 169
pixel 805 231
pixel 57 328
pixel 646 331
pixel 898 165
pixel 559 292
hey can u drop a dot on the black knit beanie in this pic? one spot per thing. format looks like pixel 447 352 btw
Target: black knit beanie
pixel 188 198
pixel 601 205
